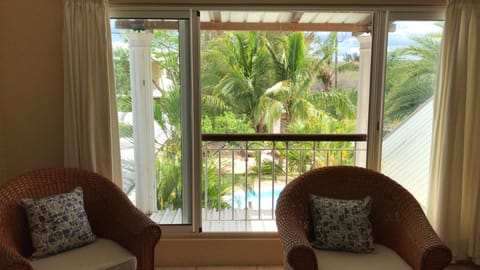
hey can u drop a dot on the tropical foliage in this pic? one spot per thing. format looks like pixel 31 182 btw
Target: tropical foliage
pixel 252 81
pixel 411 78
pixel 234 70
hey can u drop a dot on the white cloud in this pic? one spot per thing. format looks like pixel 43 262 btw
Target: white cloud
pixel 417 27
pixel 406 30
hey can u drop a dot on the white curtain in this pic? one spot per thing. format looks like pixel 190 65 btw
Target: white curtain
pixel 91 127
pixel 455 190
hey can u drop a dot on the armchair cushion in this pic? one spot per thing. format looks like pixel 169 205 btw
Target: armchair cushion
pixel 381 258
pixel 342 224
pixel 103 254
pixel 58 223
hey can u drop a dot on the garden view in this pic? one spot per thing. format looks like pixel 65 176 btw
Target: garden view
pixel 265 83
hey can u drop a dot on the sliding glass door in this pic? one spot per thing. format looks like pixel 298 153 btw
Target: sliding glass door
pixel 411 71
pixel 282 92
pixel 152 63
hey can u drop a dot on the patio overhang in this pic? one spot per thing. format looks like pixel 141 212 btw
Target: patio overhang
pixel 355 22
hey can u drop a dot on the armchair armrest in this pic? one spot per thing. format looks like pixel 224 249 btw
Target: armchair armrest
pixel 298 251
pixel 115 217
pixel 293 236
pixel 10 260
pixel 410 234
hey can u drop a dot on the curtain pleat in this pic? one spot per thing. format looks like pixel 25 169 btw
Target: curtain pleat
pixel 455 185
pixel 90 117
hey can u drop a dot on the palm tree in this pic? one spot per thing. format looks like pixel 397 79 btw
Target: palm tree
pixel 165 52
pixel 293 93
pixel 290 93
pixel 236 70
pixel 121 66
pixel 411 78
pixel 323 65
pixel 169 183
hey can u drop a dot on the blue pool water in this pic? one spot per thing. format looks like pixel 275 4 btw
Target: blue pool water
pixel 255 199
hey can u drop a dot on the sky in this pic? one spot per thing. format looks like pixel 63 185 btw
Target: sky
pixel 402 37
pixel 406 30
pixel 347 44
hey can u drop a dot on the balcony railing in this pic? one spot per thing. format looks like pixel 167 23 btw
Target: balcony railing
pixel 243 174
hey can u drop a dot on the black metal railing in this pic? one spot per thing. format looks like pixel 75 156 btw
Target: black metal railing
pixel 244 173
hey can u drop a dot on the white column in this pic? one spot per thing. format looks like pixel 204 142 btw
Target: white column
pixel 142 109
pixel 277 125
pixel 363 95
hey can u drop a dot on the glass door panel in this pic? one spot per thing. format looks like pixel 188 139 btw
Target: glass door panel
pixel 412 63
pixel 151 66
pixel 267 75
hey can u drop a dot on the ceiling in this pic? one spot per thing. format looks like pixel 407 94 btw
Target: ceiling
pixel 285 20
pixel 305 21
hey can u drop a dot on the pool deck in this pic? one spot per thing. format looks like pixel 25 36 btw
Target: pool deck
pixel 238 220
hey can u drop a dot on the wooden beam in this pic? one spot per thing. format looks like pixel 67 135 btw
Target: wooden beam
pixel 290 27
pixel 215 16
pixel 228 26
pixel 146 24
pixel 296 16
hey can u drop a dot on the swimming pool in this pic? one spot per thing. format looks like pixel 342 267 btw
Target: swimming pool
pixel 255 199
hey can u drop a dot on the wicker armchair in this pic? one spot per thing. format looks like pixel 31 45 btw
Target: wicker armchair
pixel 110 213
pixel 398 221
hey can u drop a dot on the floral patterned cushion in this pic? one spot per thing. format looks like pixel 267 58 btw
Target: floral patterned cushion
pixel 342 224
pixel 57 223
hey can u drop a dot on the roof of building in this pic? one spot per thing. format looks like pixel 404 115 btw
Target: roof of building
pixel 406 152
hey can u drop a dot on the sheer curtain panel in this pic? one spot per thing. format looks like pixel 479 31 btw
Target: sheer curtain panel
pixel 454 200
pixel 91 132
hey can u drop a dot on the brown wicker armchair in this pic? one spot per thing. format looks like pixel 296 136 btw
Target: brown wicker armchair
pixel 110 213
pixel 398 221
